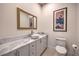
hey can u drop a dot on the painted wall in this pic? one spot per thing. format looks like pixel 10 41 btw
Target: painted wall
pixel 77 14
pixel 0 19
pixel 78 22
pixel 9 22
pixel 46 24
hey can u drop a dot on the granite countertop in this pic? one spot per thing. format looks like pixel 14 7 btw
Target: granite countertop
pixel 10 46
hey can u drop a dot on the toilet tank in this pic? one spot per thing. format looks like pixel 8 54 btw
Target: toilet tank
pixel 61 42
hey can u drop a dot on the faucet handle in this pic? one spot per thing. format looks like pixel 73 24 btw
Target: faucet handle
pixel 32 32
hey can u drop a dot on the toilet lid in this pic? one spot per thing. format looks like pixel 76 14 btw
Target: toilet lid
pixel 61 49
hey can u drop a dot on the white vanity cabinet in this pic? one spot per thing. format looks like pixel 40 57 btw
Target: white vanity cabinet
pixel 12 53
pixel 33 49
pixel 23 51
pixel 41 45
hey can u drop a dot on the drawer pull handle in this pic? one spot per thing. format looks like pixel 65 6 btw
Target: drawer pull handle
pixel 32 45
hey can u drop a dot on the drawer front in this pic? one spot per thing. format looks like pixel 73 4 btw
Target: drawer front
pixel 33 49
pixel 45 41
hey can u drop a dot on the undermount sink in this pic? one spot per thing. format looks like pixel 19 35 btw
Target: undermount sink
pixel 35 36
pixel 41 33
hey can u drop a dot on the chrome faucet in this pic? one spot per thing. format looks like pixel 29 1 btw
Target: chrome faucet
pixel 32 32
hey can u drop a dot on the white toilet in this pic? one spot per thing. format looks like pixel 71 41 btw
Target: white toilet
pixel 61 47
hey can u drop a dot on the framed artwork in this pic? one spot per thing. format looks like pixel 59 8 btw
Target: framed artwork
pixel 60 20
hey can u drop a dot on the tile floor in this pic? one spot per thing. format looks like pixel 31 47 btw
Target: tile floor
pixel 49 52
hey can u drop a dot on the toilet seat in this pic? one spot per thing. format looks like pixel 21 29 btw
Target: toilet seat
pixel 61 50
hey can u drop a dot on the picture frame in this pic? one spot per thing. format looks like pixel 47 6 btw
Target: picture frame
pixel 60 20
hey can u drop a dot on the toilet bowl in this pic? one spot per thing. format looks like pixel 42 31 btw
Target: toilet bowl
pixel 60 51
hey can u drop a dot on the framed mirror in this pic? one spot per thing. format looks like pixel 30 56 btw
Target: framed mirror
pixel 26 20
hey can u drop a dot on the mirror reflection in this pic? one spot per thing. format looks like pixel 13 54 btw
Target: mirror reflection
pixel 26 20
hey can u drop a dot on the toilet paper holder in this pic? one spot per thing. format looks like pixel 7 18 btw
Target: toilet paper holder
pixel 74 46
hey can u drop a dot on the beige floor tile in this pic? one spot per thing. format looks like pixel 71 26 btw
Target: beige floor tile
pixel 49 52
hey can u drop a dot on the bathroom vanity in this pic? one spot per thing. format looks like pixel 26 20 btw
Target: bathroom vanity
pixel 30 46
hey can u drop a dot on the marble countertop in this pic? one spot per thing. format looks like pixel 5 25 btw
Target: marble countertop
pixel 10 46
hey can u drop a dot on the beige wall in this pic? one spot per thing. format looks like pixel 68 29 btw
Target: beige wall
pixel 9 22
pixel 78 21
pixel 0 18
pixel 77 14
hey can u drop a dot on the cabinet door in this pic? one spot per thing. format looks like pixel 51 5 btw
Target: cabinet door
pixel 38 44
pixel 44 42
pixel 41 45
pixel 23 51
pixel 33 49
pixel 12 53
